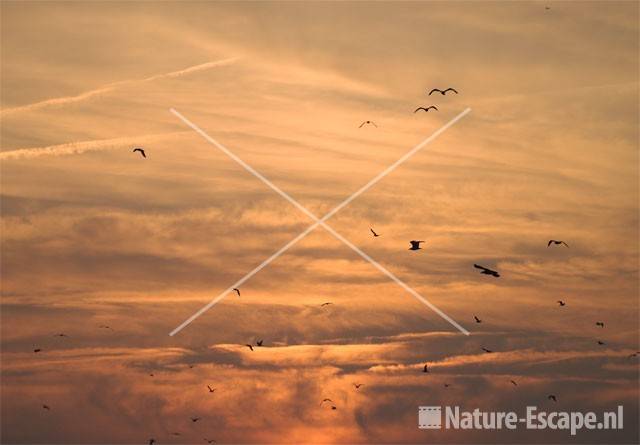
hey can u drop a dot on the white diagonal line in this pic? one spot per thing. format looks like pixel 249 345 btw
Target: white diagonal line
pixel 320 221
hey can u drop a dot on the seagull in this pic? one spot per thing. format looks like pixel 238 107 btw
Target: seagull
pixel 195 419
pixel 514 383
pixel 37 350
pixel 443 92
pixel 477 319
pixel 368 122
pixel 486 271
pixel 237 291
pixel 209 441
pixel 104 326
pixel 46 407
pixel 374 233
pixel 152 441
pixel 175 434
pixel 561 303
pixel 415 245
pixel 141 151
pixel 333 407
pixel 552 397
pixel 151 375
pixel 552 241
pixel 446 385
pixel 635 354
pixel 426 109
pixel 358 385
pixel 326 400
pixel 259 342
pixel 487 350
pixel 425 369
pixel 600 342
pixel 211 389
pixel 326 304
pixel 249 346
pixel 60 335
pixel 600 323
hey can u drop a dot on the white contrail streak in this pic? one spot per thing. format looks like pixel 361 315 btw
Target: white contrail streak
pixel 113 86
pixel 84 146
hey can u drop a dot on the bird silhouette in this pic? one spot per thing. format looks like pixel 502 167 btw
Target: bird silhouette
pixel 195 419
pixel 368 122
pixel 326 304
pixel 333 407
pixel 487 350
pixel 209 441
pixel 103 326
pixel 600 323
pixel 552 397
pixel 211 389
pixel 37 350
pixel 141 151
pixel 486 271
pixel 374 233
pixel 151 375
pixel 446 385
pixel 358 385
pixel 415 245
pixel 425 369
pixel 326 400
pixel 552 241
pixel 600 342
pixel 426 109
pixel 477 319
pixel 237 291
pixel 635 354
pixel 259 342
pixel 249 346
pixel 152 441
pixel 514 383
pixel 561 303
pixel 175 433
pixel 46 407
pixel 443 92
pixel 60 335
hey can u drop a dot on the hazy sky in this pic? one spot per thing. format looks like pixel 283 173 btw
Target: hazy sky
pixel 93 234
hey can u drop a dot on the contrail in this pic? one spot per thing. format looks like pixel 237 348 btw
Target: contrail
pixel 113 86
pixel 84 146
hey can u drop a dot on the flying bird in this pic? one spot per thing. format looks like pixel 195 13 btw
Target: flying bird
pixel 249 346
pixel 60 335
pixel 358 385
pixel 237 291
pixel 487 350
pixel 446 385
pixel 600 323
pixel 486 271
pixel 635 354
pixel 326 400
pixel 175 434
pixel 443 92
pixel 141 151
pixel 561 303
pixel 326 304
pixel 37 350
pixel 477 319
pixel 425 369
pixel 103 326
pixel 426 109
pixel 211 389
pixel 368 122
pixel 46 407
pixel 333 407
pixel 209 441
pixel 514 383
pixel 374 233
pixel 152 441
pixel 151 375
pixel 259 342
pixel 195 419
pixel 415 245
pixel 600 342
pixel 552 397
pixel 552 241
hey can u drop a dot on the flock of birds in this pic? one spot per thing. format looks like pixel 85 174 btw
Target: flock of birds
pixel 414 246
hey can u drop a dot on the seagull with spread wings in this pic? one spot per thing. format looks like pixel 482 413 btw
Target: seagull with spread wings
pixel 443 92
pixel 557 242
pixel 141 151
pixel 415 245
pixel 368 123
pixel 487 271
pixel 426 110
pixel 375 235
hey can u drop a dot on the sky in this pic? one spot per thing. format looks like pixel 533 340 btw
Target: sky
pixel 94 235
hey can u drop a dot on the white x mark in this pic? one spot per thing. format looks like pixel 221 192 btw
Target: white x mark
pixel 320 222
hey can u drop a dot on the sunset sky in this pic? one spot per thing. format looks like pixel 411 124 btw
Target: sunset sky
pixel 95 235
